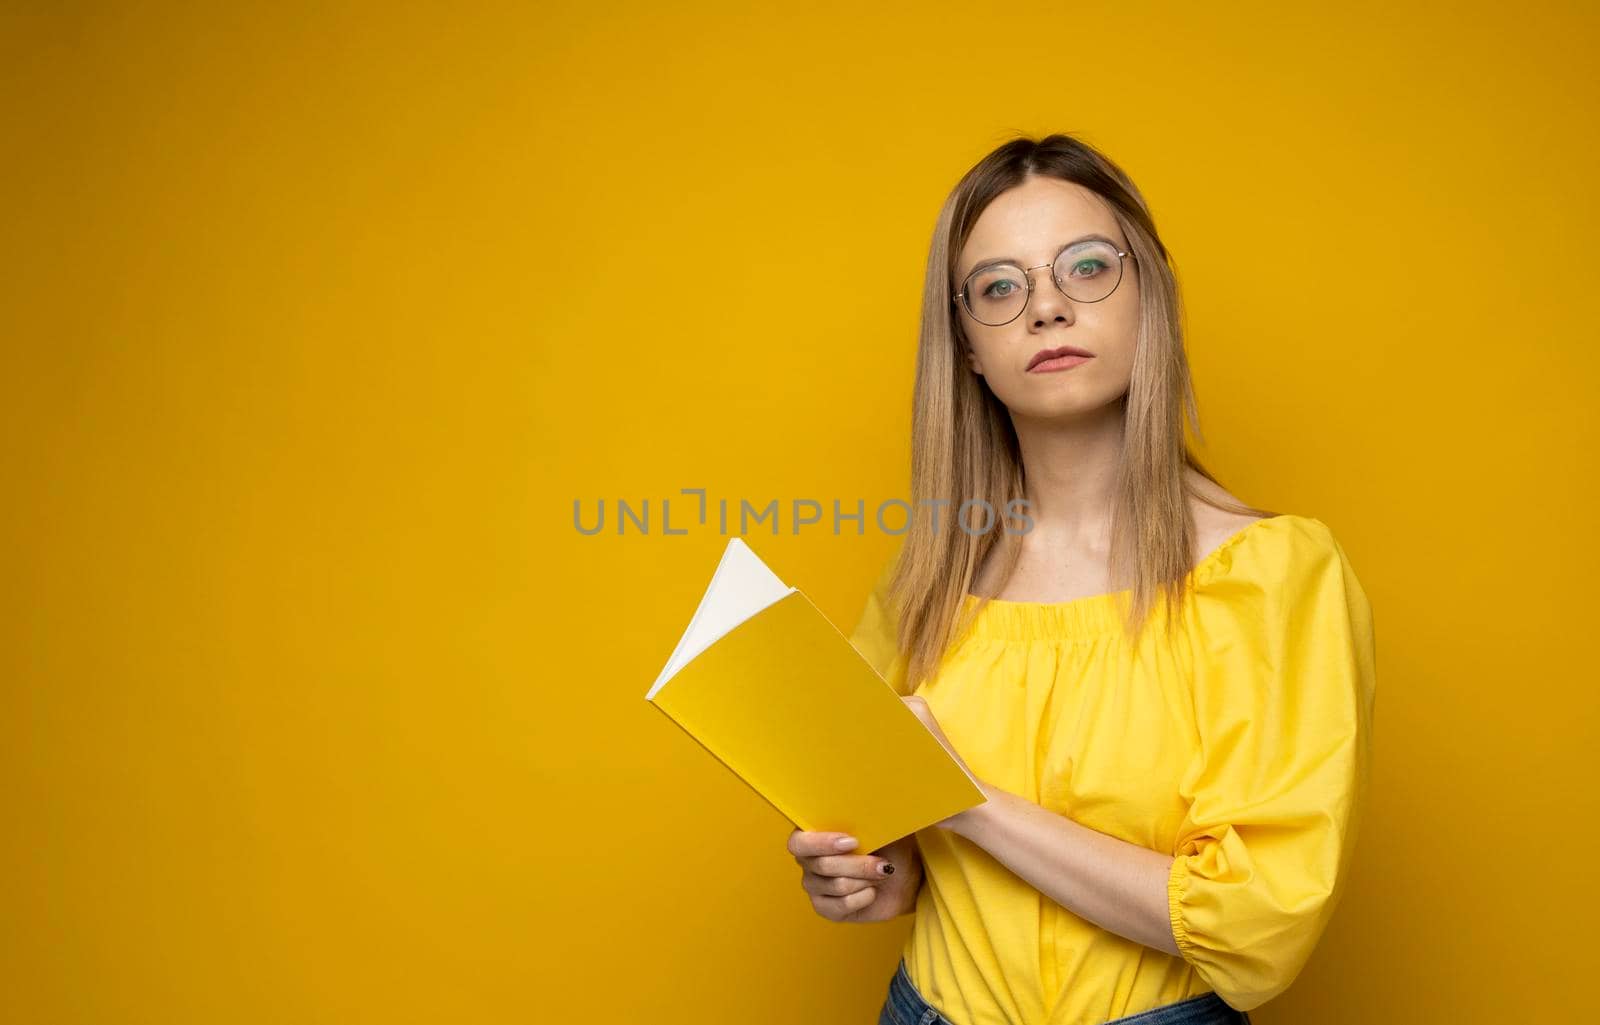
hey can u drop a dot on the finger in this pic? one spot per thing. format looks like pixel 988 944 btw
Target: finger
pixel 841 907
pixel 804 844
pixel 855 866
pixel 831 886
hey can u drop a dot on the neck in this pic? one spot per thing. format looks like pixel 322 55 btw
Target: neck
pixel 1070 472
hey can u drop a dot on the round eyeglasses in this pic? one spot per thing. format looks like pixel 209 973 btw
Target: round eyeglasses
pixel 1085 272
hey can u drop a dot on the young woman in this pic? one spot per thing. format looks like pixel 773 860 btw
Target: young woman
pixel 1166 694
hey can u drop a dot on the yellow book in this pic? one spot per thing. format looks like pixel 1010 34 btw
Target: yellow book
pixel 771 688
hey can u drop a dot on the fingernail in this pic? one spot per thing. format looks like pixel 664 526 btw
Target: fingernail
pixel 845 843
pixel 886 868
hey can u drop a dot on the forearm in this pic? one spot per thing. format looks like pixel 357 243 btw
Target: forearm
pixel 1119 886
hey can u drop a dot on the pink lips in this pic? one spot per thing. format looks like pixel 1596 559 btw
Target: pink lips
pixel 1058 359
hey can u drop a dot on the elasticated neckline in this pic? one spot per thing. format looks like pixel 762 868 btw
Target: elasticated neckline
pixel 999 619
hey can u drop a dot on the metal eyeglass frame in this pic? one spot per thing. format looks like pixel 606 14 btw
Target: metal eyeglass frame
pixel 960 297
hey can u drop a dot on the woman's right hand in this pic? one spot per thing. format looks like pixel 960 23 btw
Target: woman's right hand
pixel 849 887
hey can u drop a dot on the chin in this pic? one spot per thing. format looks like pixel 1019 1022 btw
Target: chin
pixel 1069 408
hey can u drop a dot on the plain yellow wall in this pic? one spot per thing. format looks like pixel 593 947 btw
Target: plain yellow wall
pixel 317 319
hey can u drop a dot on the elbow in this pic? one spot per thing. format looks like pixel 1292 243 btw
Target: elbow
pixel 1248 984
pixel 1248 952
pixel 1247 976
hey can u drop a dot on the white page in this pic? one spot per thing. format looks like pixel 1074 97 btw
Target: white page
pixel 741 587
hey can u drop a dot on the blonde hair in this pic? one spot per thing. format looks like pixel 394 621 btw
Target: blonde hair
pixel 963 446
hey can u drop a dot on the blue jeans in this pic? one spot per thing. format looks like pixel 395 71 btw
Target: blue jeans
pixel 905 1006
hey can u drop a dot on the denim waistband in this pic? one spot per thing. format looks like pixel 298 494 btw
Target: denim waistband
pixel 905 1006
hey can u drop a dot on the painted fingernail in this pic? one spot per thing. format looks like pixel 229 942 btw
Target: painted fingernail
pixel 886 868
pixel 845 843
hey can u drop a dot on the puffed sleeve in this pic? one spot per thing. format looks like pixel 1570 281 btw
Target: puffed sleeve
pixel 874 635
pixel 1284 686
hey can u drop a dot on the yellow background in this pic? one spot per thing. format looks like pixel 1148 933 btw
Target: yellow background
pixel 317 319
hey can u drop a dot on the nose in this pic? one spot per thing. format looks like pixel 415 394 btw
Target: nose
pixel 1046 301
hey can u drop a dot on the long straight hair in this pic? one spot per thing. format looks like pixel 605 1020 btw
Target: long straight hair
pixel 964 447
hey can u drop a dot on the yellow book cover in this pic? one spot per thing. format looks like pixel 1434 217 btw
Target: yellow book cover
pixel 771 688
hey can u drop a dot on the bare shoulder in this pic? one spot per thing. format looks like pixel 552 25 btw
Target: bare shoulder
pixel 1213 526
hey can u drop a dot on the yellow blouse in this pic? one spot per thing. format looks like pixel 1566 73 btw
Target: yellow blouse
pixel 1243 750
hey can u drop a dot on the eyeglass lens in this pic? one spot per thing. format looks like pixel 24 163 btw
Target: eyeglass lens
pixel 1085 273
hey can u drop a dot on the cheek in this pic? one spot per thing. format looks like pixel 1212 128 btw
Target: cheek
pixel 1116 364
pixel 1118 336
pixel 989 349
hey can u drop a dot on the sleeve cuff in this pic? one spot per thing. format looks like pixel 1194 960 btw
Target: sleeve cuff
pixel 1177 881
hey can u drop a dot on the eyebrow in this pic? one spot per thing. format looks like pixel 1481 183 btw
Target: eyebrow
pixel 995 261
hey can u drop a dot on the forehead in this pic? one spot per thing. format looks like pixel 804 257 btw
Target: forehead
pixel 1032 221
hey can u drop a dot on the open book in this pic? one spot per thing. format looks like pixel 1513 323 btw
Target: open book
pixel 771 688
